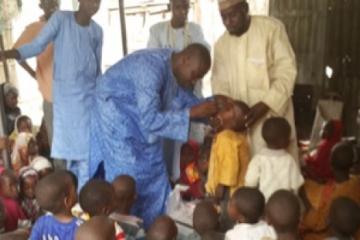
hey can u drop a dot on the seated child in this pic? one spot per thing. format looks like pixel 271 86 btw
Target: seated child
pixel 344 219
pixel 246 207
pixel 164 228
pixel 317 163
pixel 283 214
pixel 97 198
pixel 20 234
pixel 42 165
pixel 189 173
pixel 28 180
pixel 97 228
pixel 56 194
pixel 22 124
pixel 125 196
pixel 21 138
pixel 318 197
pixel 274 168
pixel 205 219
pixel 230 155
pixel 9 198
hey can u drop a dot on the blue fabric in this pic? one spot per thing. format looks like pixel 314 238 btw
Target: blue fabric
pixel 81 170
pixel 77 64
pixel 138 103
pixel 48 228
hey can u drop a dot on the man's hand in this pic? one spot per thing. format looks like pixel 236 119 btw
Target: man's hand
pixel 203 110
pixel 222 101
pixel 256 112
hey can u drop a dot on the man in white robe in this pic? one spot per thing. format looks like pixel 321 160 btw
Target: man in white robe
pixel 254 62
pixel 178 33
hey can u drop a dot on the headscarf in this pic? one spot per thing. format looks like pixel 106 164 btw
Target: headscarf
pixel 40 163
pixel 225 4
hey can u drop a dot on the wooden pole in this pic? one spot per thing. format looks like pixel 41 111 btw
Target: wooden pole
pixel 123 27
pixel 5 154
pixel 3 60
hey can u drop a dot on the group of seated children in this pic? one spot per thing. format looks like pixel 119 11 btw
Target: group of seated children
pixel 226 170
pixel 268 196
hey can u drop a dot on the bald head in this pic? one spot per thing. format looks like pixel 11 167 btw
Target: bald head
pixel 163 228
pixel 125 193
pixel 98 228
pixel 283 211
pixel 205 218
pixel 191 64
pixel 199 53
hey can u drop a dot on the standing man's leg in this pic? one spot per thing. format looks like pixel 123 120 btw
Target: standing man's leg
pixel 81 170
pixel 48 118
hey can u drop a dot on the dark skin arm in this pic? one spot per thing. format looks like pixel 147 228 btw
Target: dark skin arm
pixel 256 112
pixel 203 110
pixel 14 54
pixel 10 54
pixel 220 192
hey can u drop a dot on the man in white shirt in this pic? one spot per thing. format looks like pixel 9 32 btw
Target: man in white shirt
pixel 177 34
pixel 254 62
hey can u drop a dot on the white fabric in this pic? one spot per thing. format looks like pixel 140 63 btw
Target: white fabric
pixel 272 170
pixel 162 35
pixel 246 231
pixel 40 163
pixel 257 67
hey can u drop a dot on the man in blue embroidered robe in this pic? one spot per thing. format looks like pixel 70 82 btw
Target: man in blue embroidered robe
pixel 142 99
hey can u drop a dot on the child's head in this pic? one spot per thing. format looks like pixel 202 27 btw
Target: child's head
pixel 33 148
pixel 9 184
pixel 89 7
pixel 344 217
pixel 342 158
pixel 276 132
pixel 49 7
pixel 11 96
pixel 246 205
pixel 97 197
pixel 232 116
pixel 189 153
pixel 97 228
pixel 205 218
pixel 164 228
pixel 283 212
pixel 24 124
pixel 28 180
pixel 56 193
pixel 42 165
pixel 125 193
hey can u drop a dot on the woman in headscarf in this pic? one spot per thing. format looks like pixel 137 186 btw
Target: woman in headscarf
pixel 12 111
pixel 318 162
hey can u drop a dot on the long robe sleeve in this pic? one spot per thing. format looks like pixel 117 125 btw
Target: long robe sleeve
pixel 47 35
pixel 172 124
pixel 282 72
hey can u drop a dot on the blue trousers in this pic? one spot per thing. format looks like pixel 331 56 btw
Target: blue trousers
pixel 81 170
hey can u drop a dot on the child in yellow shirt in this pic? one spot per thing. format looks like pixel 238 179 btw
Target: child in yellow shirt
pixel 229 157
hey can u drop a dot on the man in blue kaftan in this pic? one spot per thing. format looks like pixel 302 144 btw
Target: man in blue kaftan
pixel 77 43
pixel 142 99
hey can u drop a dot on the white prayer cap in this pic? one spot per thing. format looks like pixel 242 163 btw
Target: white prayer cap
pixel 225 4
pixel 40 163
